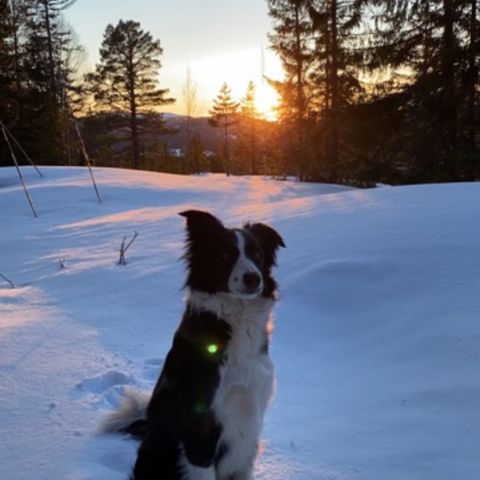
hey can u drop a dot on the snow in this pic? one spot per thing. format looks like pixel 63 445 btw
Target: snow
pixel 377 339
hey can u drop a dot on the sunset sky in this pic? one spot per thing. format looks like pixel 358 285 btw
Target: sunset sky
pixel 219 40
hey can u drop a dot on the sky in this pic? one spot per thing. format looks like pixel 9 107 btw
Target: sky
pixel 220 41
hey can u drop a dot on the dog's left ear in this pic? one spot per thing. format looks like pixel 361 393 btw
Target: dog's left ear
pixel 268 237
pixel 199 223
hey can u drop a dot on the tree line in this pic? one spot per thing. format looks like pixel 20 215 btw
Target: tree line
pixel 378 90
pixel 42 90
pixel 37 67
pixel 373 91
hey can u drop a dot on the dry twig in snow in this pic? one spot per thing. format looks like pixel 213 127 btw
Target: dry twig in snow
pixel 7 280
pixel 14 158
pixel 124 248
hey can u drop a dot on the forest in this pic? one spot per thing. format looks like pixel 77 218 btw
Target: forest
pixel 374 91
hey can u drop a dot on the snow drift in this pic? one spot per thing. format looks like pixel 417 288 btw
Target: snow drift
pixel 377 340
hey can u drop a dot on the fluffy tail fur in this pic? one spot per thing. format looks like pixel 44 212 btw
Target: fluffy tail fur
pixel 130 417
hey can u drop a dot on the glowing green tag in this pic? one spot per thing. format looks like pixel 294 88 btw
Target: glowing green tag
pixel 212 348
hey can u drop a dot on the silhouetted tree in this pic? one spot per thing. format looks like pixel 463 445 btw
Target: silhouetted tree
pixel 247 147
pixel 292 39
pixel 432 45
pixel 126 80
pixel 224 114
pixel 189 94
pixel 41 45
pixel 335 75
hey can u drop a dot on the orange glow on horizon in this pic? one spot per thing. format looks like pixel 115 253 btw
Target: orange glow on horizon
pixel 235 68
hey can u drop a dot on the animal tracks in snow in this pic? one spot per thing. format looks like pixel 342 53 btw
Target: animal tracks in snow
pixel 107 389
pixel 104 390
pixel 103 382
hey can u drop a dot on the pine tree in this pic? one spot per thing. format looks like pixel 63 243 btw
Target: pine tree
pixel 126 80
pixel 248 126
pixel 434 47
pixel 335 73
pixel 472 83
pixel 194 155
pixel 45 25
pixel 7 79
pixel 223 115
pixel 40 43
pixel 292 39
pixel 7 76
pixel 18 16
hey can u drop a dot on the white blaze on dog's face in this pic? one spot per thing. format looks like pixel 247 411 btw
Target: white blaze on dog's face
pixel 237 261
pixel 246 280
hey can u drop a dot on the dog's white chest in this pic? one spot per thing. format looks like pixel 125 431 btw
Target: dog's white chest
pixel 246 379
pixel 245 366
pixel 244 391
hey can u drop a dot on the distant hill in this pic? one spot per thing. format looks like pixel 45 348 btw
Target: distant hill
pixel 211 137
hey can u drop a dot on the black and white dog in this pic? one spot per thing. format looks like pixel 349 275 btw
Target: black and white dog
pixel 204 417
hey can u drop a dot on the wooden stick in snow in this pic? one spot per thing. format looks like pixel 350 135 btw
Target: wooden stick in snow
pixel 7 280
pixel 25 154
pixel 124 248
pixel 12 153
pixel 87 158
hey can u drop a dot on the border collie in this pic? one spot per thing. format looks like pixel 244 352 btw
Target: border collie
pixel 204 417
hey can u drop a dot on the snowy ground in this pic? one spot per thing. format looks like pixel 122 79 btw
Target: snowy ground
pixel 377 341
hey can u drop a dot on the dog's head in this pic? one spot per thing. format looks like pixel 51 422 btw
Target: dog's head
pixel 237 261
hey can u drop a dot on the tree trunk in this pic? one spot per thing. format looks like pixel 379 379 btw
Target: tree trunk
pixel 51 64
pixel 134 131
pixel 472 80
pixel 299 66
pixel 300 100
pixel 449 117
pixel 253 140
pixel 333 143
pixel 16 47
pixel 133 109
pixel 226 148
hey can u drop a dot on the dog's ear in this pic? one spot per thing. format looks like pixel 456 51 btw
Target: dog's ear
pixel 268 237
pixel 199 222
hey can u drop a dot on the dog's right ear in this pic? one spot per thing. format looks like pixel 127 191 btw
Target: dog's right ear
pixel 199 222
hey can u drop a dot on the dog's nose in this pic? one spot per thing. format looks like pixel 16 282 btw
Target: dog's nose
pixel 251 280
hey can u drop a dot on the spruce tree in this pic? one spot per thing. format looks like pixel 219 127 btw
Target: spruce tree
pixel 224 115
pixel 335 74
pixel 248 126
pixel 126 80
pixel 7 70
pixel 433 46
pixel 40 44
pixel 292 39
pixel 46 28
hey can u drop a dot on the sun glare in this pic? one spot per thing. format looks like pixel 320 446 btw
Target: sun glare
pixel 237 69
pixel 267 101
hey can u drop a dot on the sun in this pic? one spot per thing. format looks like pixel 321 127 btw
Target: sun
pixel 237 69
pixel 266 101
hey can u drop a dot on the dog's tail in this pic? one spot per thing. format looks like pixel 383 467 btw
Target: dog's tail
pixel 130 417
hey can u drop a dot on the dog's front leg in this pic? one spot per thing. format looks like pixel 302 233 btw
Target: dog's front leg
pixel 192 472
pixel 199 447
